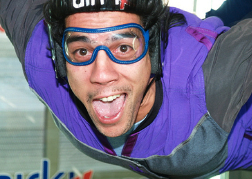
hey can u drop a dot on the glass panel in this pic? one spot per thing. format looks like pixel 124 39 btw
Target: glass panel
pixel 21 116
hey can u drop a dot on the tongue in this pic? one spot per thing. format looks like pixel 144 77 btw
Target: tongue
pixel 109 109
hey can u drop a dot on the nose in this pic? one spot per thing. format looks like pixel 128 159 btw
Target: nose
pixel 104 69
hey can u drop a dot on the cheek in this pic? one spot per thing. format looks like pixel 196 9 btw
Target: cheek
pixel 77 76
pixel 138 73
pixel 76 71
pixel 144 74
pixel 143 70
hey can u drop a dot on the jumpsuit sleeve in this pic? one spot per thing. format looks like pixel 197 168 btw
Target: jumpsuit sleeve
pixel 228 74
pixel 18 18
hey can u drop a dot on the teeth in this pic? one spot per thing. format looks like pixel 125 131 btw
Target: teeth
pixel 110 98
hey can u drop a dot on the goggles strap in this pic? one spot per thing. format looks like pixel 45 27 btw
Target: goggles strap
pixel 148 87
pixel 57 56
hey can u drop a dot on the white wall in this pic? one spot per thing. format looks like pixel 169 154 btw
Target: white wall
pixel 202 6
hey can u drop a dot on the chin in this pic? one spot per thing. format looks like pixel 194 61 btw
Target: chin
pixel 113 131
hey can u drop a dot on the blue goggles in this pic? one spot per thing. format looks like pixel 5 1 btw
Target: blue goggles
pixel 124 44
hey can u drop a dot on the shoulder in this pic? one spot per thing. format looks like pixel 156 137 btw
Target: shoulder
pixel 212 23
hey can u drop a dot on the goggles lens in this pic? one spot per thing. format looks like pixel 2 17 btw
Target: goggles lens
pixel 124 44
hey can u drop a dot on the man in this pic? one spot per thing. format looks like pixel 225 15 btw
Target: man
pixel 133 86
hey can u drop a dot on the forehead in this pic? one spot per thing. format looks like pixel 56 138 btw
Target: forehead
pixel 101 19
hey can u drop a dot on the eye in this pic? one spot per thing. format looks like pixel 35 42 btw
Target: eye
pixel 124 48
pixel 83 52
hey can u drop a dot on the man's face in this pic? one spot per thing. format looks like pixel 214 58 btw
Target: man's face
pixel 111 92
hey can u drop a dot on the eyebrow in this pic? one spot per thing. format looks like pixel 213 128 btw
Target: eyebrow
pixel 114 37
pixel 78 38
pixel 124 35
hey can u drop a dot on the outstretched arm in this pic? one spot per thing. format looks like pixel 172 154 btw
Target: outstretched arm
pixel 228 74
pixel 19 18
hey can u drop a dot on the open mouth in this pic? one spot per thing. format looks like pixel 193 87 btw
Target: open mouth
pixel 108 109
